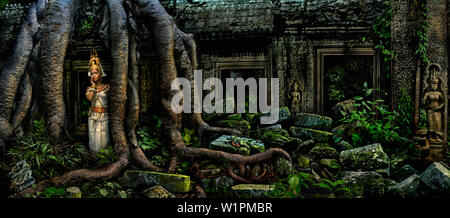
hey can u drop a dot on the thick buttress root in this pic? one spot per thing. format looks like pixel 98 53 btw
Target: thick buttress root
pixel 117 100
pixel 171 50
pixel 14 72
pixel 176 51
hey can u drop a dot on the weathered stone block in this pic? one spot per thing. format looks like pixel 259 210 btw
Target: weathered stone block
pixel 404 172
pixel 250 190
pixel 369 157
pixel 405 189
pixel 157 192
pixel 364 184
pixel 241 145
pixel 73 192
pixel 312 121
pixel 437 177
pixel 307 134
pixel 172 182
pixel 323 151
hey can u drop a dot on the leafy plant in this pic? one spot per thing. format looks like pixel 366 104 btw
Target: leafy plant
pixel 190 138
pixel 421 33
pixel 45 159
pixel 374 120
pixel 105 189
pixel 149 140
pixel 107 155
pixel 382 31
pixel 300 183
pixel 87 25
pixel 52 192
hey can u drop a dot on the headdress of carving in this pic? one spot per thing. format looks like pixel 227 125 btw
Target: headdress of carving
pixel 433 71
pixel 94 63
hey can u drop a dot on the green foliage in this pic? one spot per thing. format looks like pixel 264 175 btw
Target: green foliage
pixel 300 183
pixel 52 192
pixel 421 34
pixel 87 25
pixel 341 84
pixel 405 110
pixel 104 189
pixel 45 159
pixel 3 3
pixel 375 122
pixel 335 89
pixel 149 140
pixel 382 31
pixel 107 156
pixel 190 138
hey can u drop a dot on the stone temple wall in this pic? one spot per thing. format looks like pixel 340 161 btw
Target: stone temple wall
pixel 285 38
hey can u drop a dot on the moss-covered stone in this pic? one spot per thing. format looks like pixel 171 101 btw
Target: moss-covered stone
pixel 343 146
pixel 364 184
pixel 241 125
pixel 157 192
pixel 282 167
pixel 367 158
pixel 217 185
pixel 307 134
pixel 73 192
pixel 330 163
pixel 250 190
pixel 312 121
pixel 278 138
pixel 405 189
pixel 260 132
pixel 239 145
pixel 342 108
pixel 305 147
pixel 171 182
pixel 437 177
pixel 323 151
pixel 303 161
pixel 235 117
pixel 404 172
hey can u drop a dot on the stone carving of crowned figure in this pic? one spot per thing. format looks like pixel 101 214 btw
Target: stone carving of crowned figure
pixel 295 96
pixel 97 94
pixel 434 102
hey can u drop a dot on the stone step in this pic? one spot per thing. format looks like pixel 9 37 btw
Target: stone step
pixel 250 190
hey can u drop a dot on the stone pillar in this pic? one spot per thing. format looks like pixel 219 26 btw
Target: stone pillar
pixel 436 74
pixel 403 27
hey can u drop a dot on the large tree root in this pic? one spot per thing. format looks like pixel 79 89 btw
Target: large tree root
pixel 174 49
pixel 14 71
pixel 117 99
pixel 55 38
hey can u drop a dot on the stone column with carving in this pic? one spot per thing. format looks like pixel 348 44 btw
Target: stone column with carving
pixel 436 80
pixel 403 27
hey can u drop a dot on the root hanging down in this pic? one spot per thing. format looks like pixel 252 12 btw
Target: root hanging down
pixel 176 51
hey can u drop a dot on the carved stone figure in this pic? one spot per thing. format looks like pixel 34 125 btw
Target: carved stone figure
pixel 434 101
pixel 295 96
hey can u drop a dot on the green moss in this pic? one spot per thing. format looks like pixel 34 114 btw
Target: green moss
pixel 241 125
pixel 277 138
pixel 323 152
pixel 172 182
